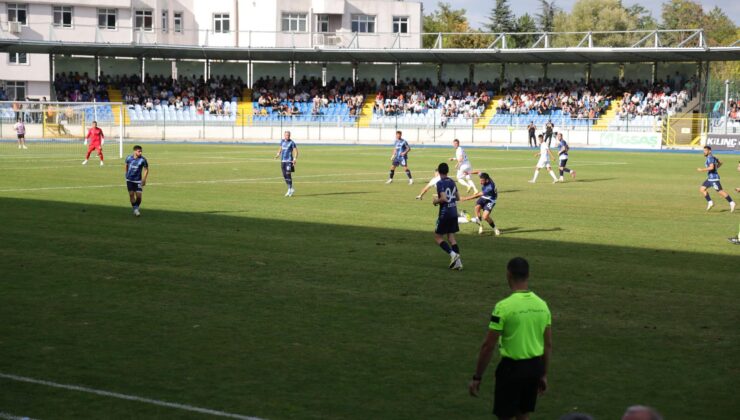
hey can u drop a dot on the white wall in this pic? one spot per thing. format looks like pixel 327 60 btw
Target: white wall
pixel 604 71
pixel 409 72
pixel 268 70
pixel 76 64
pixel 120 66
pixel 571 72
pixel 524 71
pixel 308 70
pixel 339 71
pixel 375 71
pixel 638 71
pixel 487 72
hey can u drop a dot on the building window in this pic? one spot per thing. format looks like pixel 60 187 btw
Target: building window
pixel 18 13
pixel 16 91
pixel 63 16
pixel 143 20
pixel 107 18
pixel 363 23
pixel 294 22
pixel 322 23
pixel 165 20
pixel 400 25
pixel 177 22
pixel 18 58
pixel 221 23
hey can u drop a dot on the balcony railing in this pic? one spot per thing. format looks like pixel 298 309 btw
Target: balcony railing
pixel 124 34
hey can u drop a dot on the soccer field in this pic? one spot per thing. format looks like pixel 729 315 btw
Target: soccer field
pixel 336 303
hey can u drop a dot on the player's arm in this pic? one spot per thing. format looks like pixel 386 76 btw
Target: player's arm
pixel 144 174
pixel 406 150
pixel 440 198
pixel 472 197
pixel 707 169
pixel 546 358
pixel 102 138
pixel 277 155
pixel 484 359
pixel 295 154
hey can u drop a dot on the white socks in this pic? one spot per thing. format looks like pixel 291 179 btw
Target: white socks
pixel 536 174
pixel 552 174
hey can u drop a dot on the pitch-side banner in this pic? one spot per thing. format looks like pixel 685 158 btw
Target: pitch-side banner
pixel 724 141
pixel 626 140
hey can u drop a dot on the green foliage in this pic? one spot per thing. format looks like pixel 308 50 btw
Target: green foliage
pixel 448 20
pixel 546 16
pixel 502 18
pixel 599 15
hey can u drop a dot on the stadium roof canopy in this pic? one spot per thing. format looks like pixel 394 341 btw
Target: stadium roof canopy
pixel 573 47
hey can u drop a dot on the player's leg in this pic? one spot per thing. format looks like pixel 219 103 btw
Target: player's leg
pixel 552 174
pixel 726 196
pixel 536 174
pixel 489 219
pixel 100 154
pixel 408 173
pixel 391 173
pixel 23 142
pixel 288 177
pixel 90 149
pixel 457 265
pixel 703 190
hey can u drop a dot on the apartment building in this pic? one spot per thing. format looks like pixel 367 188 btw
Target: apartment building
pixel 364 24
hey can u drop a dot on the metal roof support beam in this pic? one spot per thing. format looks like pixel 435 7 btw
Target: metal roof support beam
pixel 643 39
pixel 692 36
pixel 500 37
pixel 589 39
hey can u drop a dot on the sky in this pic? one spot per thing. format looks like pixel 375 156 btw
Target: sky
pixel 478 10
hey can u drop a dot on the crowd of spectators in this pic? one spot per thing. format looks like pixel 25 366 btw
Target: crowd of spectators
pixel 543 96
pixel 452 98
pixel 76 87
pixel 281 96
pixel 211 96
pixel 658 100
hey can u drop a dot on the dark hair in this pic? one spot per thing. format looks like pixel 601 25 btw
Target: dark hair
pixel 399 132
pixel 137 147
pixel 518 267
pixel 485 176
pixel 443 168
pixel 456 141
pixel 94 122
pixel 540 136
pixel 708 147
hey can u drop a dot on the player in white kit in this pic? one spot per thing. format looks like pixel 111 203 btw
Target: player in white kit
pixel 463 166
pixel 544 161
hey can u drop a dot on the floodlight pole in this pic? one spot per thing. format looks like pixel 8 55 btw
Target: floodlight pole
pixel 727 104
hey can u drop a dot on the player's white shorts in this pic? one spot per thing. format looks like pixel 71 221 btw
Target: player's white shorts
pixel 464 168
pixel 543 162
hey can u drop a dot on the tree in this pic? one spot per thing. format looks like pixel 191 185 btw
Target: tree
pixel 546 17
pixel 446 19
pixel 642 16
pixel 596 15
pixel 525 23
pixel 720 30
pixel 501 19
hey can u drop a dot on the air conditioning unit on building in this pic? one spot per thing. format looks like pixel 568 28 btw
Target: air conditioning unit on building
pixel 14 27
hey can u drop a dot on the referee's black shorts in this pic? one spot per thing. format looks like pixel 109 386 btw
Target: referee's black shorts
pixel 517 384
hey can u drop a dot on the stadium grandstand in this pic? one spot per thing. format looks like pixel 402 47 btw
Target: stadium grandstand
pixel 231 76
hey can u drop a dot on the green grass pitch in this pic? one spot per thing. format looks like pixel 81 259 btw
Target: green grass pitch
pixel 336 303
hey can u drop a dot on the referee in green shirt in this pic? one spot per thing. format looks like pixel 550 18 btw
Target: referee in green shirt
pixel 520 325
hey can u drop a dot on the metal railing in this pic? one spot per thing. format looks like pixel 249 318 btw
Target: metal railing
pixel 345 39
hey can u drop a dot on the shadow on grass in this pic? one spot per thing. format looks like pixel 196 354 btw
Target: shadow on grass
pixel 517 229
pixel 594 179
pixel 205 308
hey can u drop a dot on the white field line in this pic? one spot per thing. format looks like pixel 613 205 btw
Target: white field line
pixel 184 407
pixel 17 168
pixel 12 417
pixel 265 180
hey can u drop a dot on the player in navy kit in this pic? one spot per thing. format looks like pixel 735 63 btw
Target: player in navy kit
pixel 486 201
pixel 137 170
pixel 447 198
pixel 288 154
pixel 563 150
pixel 711 165
pixel 400 157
